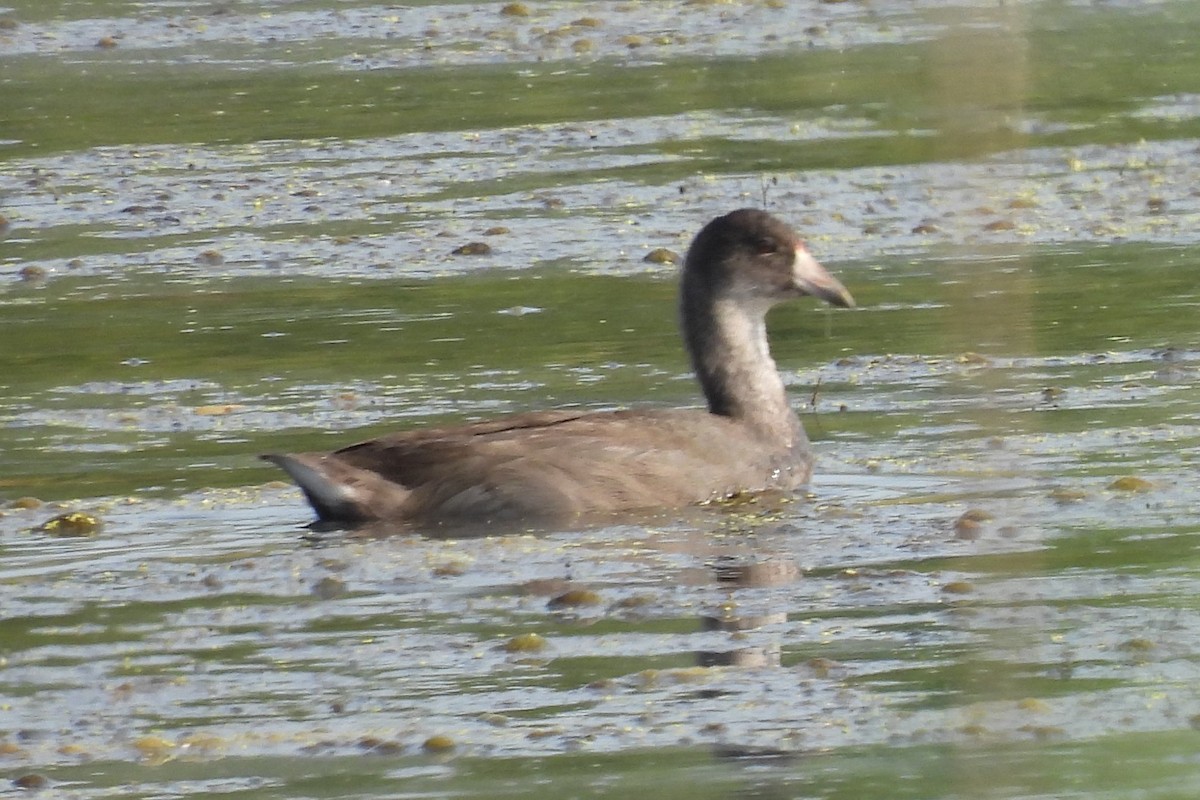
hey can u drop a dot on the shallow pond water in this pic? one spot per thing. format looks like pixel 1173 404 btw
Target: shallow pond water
pixel 233 230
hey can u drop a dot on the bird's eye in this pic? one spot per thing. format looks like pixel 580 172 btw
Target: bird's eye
pixel 765 246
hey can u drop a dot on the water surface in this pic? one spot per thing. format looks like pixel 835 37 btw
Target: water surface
pixel 232 230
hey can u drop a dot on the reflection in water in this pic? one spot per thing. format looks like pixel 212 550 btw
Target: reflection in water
pixel 746 657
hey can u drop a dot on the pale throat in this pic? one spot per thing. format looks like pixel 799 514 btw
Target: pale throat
pixel 736 370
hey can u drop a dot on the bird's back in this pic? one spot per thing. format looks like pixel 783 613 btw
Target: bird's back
pixel 548 467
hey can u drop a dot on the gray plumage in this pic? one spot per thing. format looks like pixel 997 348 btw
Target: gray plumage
pixel 557 466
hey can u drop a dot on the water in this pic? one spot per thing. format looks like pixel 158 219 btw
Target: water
pixel 231 230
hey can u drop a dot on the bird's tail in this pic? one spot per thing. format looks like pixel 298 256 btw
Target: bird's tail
pixel 339 492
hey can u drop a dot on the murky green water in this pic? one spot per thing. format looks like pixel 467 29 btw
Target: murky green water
pixel 230 230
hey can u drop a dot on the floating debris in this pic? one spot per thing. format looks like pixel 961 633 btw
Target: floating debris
pixel 438 744
pixel 218 410
pixel 1052 394
pixel 473 249
pixel 972 359
pixel 573 598
pixel 72 525
pixel 1131 483
pixel 525 643
pixel 25 503
pixel 1062 496
pixel 661 255
pixel 544 587
pixel 450 569
pixel 153 746
pixel 515 10
pixel 1137 644
pixel 520 311
pixel 772 572
pixel 210 258
pixel 329 587
pixel 31 780
pixel 380 747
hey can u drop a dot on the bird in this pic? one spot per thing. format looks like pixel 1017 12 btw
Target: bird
pixel 558 466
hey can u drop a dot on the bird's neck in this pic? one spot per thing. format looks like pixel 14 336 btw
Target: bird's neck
pixel 727 342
